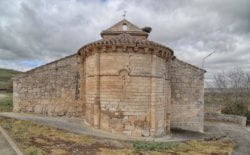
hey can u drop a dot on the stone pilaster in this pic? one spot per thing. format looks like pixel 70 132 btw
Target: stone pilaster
pixel 97 97
pixel 153 120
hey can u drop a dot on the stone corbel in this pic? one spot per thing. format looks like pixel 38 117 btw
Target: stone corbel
pixel 136 49
pixel 146 50
pixel 124 48
pixel 113 48
pixel 103 49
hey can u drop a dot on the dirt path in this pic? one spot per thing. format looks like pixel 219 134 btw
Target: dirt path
pixel 241 135
pixel 5 148
pixel 78 126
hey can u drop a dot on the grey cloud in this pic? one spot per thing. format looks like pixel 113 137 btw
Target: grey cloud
pixel 47 30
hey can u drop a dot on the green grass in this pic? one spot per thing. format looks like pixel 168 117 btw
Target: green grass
pixel 154 146
pixel 192 147
pixel 6 102
pixel 5 78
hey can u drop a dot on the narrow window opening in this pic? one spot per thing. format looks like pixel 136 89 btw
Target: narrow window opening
pixel 124 27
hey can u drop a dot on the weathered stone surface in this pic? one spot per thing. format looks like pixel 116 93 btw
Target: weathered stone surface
pixel 133 94
pixel 187 96
pixel 50 89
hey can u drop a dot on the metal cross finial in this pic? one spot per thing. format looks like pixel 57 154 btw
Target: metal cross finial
pixel 124 14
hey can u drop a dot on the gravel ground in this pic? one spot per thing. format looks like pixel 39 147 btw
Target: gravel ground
pixel 5 148
pixel 241 135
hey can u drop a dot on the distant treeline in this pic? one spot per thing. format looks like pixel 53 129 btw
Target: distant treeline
pixel 232 91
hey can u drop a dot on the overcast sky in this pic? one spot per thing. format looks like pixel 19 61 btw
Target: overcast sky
pixel 35 32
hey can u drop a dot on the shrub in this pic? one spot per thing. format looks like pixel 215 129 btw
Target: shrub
pixel 236 109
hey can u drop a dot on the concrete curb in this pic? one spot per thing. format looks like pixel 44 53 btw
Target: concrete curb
pixel 10 141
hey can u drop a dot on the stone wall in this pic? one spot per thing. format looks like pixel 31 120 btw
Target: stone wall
pixel 241 120
pixel 187 92
pixel 52 89
pixel 127 93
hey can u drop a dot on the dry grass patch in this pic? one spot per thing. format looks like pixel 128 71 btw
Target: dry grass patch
pixel 39 139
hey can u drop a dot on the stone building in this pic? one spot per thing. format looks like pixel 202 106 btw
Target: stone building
pixel 123 83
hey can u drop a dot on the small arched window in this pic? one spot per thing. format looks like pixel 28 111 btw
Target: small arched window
pixel 124 27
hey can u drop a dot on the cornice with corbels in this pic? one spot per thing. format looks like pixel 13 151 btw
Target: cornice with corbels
pixel 126 44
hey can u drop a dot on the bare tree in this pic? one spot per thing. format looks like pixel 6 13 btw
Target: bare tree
pixel 234 86
pixel 233 90
pixel 220 81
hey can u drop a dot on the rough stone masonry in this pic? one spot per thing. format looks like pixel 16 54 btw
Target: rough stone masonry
pixel 123 83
